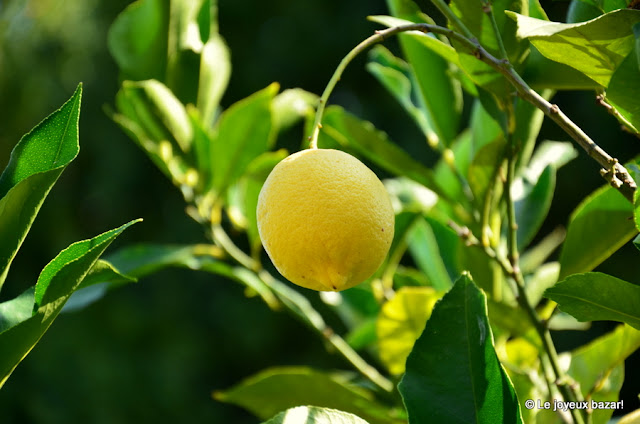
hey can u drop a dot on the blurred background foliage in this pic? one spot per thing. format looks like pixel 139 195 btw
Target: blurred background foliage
pixel 155 351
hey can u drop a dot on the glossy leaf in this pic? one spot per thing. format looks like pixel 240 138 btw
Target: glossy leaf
pixel 453 374
pixel 35 164
pixel 532 202
pixel 341 129
pixel 277 389
pixel 138 40
pixel 584 249
pixel 595 296
pixel 595 47
pixel 624 90
pixel 243 132
pixel 215 71
pixel 57 281
pixel 400 323
pixel 314 415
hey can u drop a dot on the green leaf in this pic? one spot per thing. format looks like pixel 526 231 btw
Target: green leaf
pixel 137 40
pixel 595 48
pixel 532 202
pixel 395 75
pixel 624 90
pixel 14 311
pixel 35 164
pixel 184 48
pixel 243 196
pixel 215 71
pixel 595 296
pixel 599 366
pixel 341 129
pixel 400 323
pixel 292 105
pixel 314 415
pixel 428 254
pixel 277 389
pixel 160 112
pixel 439 95
pixel 453 374
pixel 584 248
pixel 484 168
pixel 57 281
pixel 242 133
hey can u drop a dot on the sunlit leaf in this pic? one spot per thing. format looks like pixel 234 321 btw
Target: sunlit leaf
pixel 401 322
pixel 277 389
pixel 314 415
pixel 595 47
pixel 34 167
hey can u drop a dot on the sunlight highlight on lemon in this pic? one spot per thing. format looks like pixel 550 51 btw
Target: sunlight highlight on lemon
pixel 325 219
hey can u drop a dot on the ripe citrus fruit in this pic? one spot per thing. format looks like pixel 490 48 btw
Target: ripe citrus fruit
pixel 325 219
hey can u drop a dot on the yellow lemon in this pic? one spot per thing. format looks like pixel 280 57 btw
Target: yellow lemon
pixel 325 219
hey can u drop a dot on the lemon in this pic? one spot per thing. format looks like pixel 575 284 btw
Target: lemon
pixel 325 219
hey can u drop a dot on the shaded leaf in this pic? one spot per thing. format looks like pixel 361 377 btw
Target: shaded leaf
pixel 428 254
pixel 35 164
pixel 277 389
pixel 137 40
pixel 453 374
pixel 314 415
pixel 484 168
pixel 292 105
pixel 584 249
pixel 16 310
pixel 595 296
pixel 400 323
pixel 595 47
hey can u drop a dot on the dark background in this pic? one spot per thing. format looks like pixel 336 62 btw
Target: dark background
pixel 155 351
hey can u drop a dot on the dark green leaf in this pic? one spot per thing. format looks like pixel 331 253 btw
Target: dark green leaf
pixel 582 11
pixel 277 389
pixel 595 48
pixel 57 281
pixel 453 374
pixel 584 248
pixel 242 133
pixel 314 415
pixel 36 163
pixel 595 296
pixel 138 40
